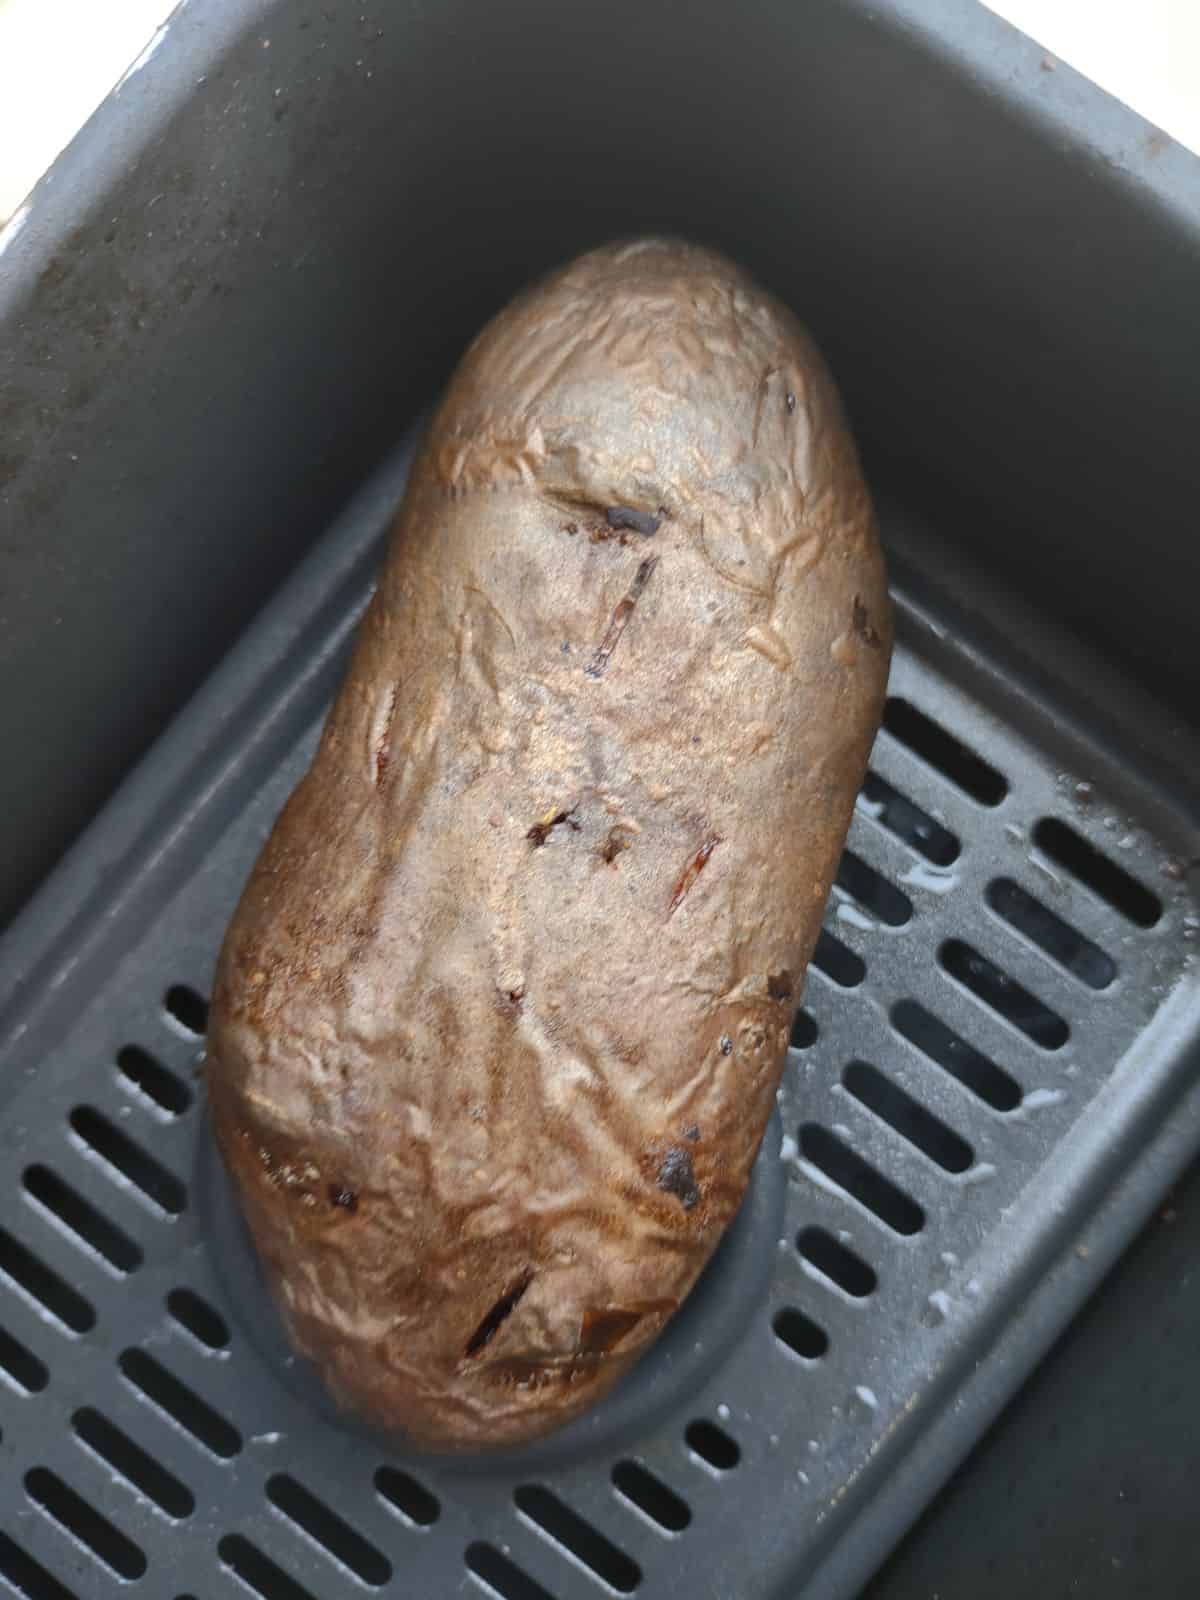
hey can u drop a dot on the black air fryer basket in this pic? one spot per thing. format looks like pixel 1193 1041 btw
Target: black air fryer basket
pixel 218 315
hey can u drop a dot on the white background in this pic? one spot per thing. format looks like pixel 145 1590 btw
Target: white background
pixel 58 58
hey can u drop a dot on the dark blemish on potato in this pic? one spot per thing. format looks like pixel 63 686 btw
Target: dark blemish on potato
pixel 565 647
pixel 520 1373
pixel 759 403
pixel 620 617
pixel 500 1312
pixel 383 749
pixel 542 830
pixel 676 1177
pixel 603 534
pixel 341 1197
pixel 692 871
pixel 644 522
pixel 861 618
pixel 614 845
pixel 692 1133
pixel 726 1045
pixel 779 985
pixel 570 527
pixel 511 1000
pixel 602 1330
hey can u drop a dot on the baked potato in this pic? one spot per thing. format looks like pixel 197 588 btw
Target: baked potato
pixel 501 1015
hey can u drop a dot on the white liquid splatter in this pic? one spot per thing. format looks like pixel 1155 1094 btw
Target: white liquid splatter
pixel 981 1172
pixel 1039 1099
pixel 854 917
pixel 788 1148
pixel 870 808
pixel 941 1304
pixel 924 875
pixel 1048 873
pixel 866 1397
pixel 723 1412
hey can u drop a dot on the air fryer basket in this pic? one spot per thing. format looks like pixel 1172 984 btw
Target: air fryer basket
pixel 265 250
pixel 987 1043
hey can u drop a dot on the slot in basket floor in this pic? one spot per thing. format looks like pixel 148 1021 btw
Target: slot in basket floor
pixel 992 1077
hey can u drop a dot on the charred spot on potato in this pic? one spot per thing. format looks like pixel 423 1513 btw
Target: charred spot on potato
pixel 861 618
pixel 643 522
pixel 542 830
pixel 619 619
pixel 779 985
pixel 383 748
pixel 570 527
pixel 519 1373
pixel 510 1000
pixel 726 1046
pixel 498 1315
pixel 614 845
pixel 692 1133
pixel 342 1198
pixel 602 1330
pixel 675 1176
pixel 692 871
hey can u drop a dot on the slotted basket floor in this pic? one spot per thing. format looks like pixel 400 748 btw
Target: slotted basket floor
pixel 1007 948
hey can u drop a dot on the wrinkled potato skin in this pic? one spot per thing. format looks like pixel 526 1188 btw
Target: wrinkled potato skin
pixel 500 1018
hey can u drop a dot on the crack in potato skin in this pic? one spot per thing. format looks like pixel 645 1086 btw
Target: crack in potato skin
pixel 526 939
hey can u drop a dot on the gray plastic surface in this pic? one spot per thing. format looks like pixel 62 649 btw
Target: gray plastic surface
pixel 128 1303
